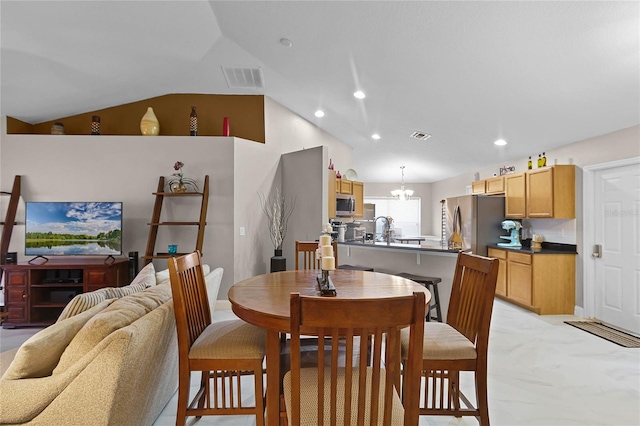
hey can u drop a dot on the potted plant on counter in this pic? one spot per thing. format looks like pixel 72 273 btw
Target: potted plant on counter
pixel 278 208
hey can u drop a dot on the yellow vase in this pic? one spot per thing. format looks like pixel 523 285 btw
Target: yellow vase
pixel 149 125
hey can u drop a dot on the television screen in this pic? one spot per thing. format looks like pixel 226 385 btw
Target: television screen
pixel 83 229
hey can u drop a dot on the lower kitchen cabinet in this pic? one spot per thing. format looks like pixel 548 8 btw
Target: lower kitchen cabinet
pixel 542 283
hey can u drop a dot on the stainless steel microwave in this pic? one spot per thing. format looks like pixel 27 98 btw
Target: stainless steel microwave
pixel 345 205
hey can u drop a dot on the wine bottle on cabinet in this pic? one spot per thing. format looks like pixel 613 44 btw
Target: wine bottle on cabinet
pixel 544 160
pixel 529 164
pixel 193 122
pixel 539 160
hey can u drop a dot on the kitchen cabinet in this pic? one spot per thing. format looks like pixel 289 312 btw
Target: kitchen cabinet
pixel 478 187
pixel 358 194
pixel 551 192
pixel 542 283
pixel 547 192
pixel 332 189
pixel 346 186
pixel 501 284
pixel 494 185
pixel 515 205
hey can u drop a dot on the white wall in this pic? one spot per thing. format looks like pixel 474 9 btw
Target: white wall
pixel 258 169
pixel 127 169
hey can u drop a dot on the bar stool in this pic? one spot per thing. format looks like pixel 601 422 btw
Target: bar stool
pixel 355 268
pixel 431 283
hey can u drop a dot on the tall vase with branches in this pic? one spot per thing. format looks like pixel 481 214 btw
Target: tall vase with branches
pixel 278 209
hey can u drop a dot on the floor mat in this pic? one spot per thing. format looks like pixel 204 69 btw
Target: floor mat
pixel 611 334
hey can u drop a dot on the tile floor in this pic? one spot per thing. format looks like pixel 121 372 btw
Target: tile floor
pixel 541 372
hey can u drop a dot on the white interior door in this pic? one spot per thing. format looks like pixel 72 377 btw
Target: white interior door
pixel 617 231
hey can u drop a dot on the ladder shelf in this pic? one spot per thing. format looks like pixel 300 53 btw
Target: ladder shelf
pixel 156 223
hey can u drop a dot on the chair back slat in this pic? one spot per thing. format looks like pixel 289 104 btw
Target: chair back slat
pixel 306 255
pixel 190 299
pixel 350 390
pixel 472 295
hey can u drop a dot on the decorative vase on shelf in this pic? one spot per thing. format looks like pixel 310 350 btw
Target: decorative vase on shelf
pixel 178 187
pixel 193 122
pixel 278 261
pixel 149 125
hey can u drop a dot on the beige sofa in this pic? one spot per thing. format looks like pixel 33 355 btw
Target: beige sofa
pixel 112 360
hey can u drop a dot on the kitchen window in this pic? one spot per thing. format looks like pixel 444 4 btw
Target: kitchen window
pixel 405 214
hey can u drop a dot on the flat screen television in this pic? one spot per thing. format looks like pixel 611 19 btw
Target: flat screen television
pixel 73 228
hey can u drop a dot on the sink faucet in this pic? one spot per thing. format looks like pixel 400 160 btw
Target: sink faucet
pixel 386 232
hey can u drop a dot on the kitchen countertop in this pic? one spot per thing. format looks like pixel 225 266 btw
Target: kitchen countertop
pixel 420 248
pixel 547 248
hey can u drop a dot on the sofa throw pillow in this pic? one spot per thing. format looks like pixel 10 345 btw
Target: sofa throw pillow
pixel 164 274
pixel 119 314
pixel 145 278
pixel 38 356
pixel 213 281
pixel 147 275
pixel 82 302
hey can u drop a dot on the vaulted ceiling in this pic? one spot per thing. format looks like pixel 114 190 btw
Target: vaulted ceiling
pixel 536 74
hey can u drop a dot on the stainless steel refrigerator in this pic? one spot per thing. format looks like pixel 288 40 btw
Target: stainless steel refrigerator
pixel 481 220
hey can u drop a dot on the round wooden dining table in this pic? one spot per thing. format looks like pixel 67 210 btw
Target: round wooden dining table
pixel 263 301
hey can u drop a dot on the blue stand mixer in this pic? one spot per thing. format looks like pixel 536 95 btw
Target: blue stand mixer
pixel 514 228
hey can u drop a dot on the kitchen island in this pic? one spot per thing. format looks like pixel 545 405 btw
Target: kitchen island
pixel 394 258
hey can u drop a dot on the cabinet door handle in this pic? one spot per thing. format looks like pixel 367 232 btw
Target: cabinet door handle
pixel 597 251
pixel 24 295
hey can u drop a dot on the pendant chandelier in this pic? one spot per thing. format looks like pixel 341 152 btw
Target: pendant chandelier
pixel 402 194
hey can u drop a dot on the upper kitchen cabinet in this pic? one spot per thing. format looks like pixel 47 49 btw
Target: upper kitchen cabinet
pixel 346 186
pixel 515 203
pixel 332 189
pixel 494 185
pixel 358 194
pixel 478 187
pixel 491 186
pixel 551 192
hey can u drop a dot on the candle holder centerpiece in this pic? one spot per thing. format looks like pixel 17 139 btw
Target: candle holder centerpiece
pixel 327 263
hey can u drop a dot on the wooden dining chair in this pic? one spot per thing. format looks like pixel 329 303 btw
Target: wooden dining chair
pixel 222 351
pixel 461 343
pixel 341 386
pixel 306 254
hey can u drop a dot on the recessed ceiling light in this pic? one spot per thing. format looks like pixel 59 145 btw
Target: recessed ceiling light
pixel 375 136
pixel 319 113
pixel 286 42
pixel 359 94
pixel 500 142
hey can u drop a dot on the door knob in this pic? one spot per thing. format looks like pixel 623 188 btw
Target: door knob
pixel 597 251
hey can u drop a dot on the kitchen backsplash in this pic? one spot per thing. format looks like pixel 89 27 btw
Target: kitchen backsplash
pixel 552 230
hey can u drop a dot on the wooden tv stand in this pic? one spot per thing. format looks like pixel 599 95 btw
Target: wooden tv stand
pixel 37 292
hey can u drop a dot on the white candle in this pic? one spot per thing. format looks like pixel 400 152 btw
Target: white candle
pixel 325 240
pixel 328 263
pixel 328 228
pixel 327 251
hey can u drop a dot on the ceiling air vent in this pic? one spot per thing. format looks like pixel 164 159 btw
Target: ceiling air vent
pixel 244 78
pixel 420 135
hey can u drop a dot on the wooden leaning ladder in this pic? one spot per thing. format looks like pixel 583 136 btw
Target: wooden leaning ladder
pixel 155 223
pixel 7 227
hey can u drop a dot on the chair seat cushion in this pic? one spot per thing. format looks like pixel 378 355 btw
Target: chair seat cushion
pixel 233 339
pixel 309 399
pixel 441 341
